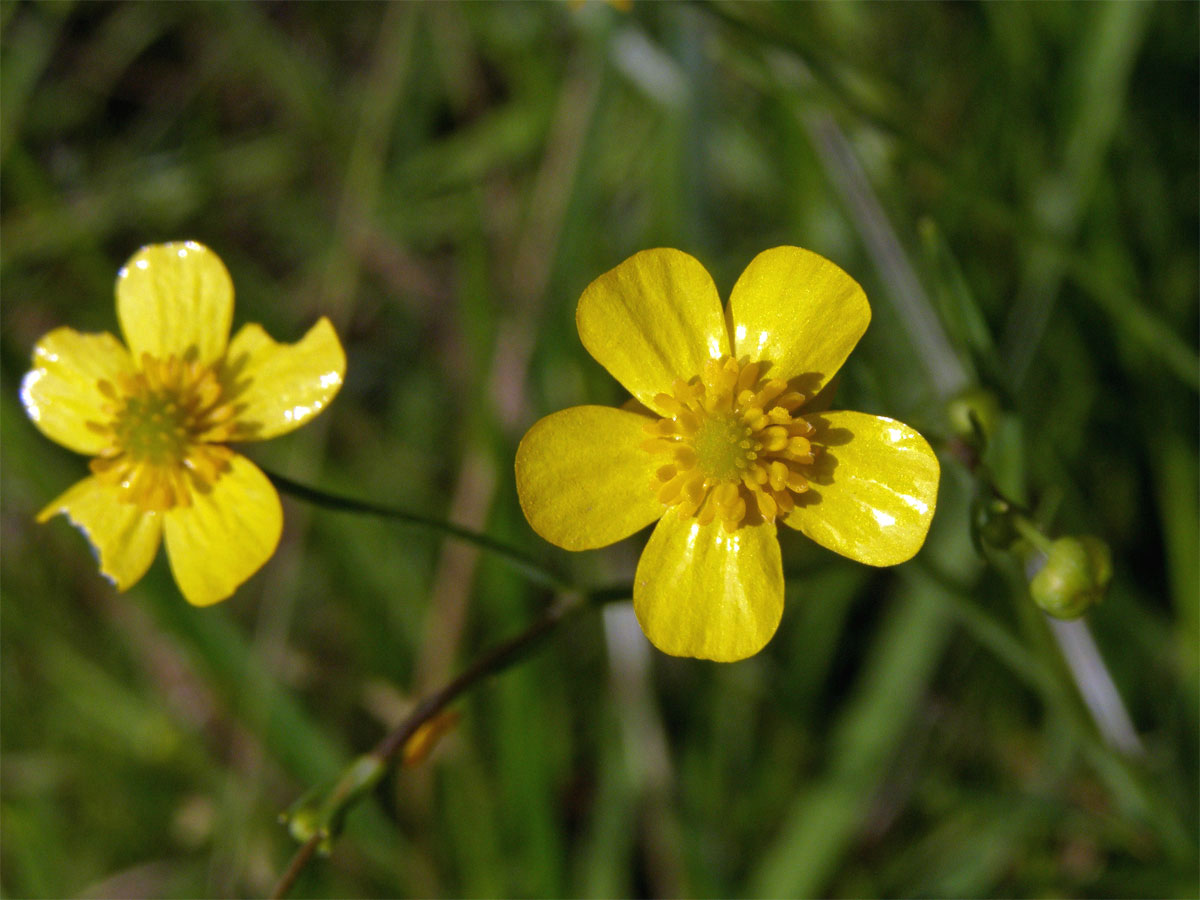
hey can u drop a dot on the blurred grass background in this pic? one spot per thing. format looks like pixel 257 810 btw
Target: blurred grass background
pixel 1014 184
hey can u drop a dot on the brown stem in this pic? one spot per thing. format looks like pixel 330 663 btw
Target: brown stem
pixel 295 867
pixel 495 660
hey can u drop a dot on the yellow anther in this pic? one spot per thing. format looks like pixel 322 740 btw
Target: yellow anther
pixel 657 445
pixel 725 494
pixel 693 489
pixel 669 491
pixel 791 400
pixel 733 516
pixel 163 416
pixel 689 422
pixel 775 438
pixel 737 454
pixel 800 447
pixel 747 379
pixel 779 474
pixel 684 455
pixel 769 392
pixel 668 403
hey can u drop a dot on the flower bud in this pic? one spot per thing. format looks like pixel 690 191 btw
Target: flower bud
pixel 321 811
pixel 992 523
pixel 1075 575
pixel 973 415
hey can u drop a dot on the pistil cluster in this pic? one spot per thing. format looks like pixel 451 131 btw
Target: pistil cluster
pixel 161 424
pixel 737 452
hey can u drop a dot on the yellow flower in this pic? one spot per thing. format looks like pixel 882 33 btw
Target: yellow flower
pixel 155 419
pixel 724 441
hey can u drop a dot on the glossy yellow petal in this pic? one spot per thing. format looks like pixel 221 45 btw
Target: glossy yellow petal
pixel 653 319
pixel 61 392
pixel 800 312
pixel 584 480
pixel 705 592
pixel 123 536
pixel 873 488
pixel 226 535
pixel 277 387
pixel 175 299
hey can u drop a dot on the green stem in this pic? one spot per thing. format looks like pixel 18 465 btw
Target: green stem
pixel 1032 533
pixel 495 660
pixel 284 886
pixel 528 566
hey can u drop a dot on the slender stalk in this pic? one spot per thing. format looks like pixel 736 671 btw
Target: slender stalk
pixel 495 660
pixel 531 568
pixel 1032 534
pixel 288 880
pixel 492 662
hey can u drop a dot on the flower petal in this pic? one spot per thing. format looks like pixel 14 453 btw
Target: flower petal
pixel 800 312
pixel 873 491
pixel 175 299
pixel 226 535
pixel 584 480
pixel 124 537
pixel 653 319
pixel 702 591
pixel 278 387
pixel 61 393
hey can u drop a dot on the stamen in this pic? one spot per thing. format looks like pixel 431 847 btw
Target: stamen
pixel 737 453
pixel 164 418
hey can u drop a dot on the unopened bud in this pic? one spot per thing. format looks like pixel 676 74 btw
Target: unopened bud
pixel 993 523
pixel 321 811
pixel 973 415
pixel 1075 576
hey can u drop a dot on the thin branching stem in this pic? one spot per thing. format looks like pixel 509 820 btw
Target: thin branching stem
pixel 288 879
pixel 529 567
pixel 495 660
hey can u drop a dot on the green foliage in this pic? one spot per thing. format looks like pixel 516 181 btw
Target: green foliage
pixel 443 180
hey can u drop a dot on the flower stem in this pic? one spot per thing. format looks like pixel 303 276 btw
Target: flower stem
pixel 295 867
pixel 531 568
pixel 498 658
pixel 1032 534
pixel 493 661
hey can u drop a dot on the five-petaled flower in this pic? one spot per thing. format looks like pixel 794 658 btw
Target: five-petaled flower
pixel 155 419
pixel 728 436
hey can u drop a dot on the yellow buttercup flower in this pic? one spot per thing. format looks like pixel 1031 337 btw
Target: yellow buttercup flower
pixel 155 419
pixel 725 440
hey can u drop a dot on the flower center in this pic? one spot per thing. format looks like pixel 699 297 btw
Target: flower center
pixel 737 452
pixel 724 446
pixel 161 424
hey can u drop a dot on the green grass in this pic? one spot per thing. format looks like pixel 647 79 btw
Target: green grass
pixel 1015 185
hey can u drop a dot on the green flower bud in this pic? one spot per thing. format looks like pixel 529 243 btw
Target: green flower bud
pixel 321 810
pixel 992 523
pixel 973 415
pixel 1075 575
